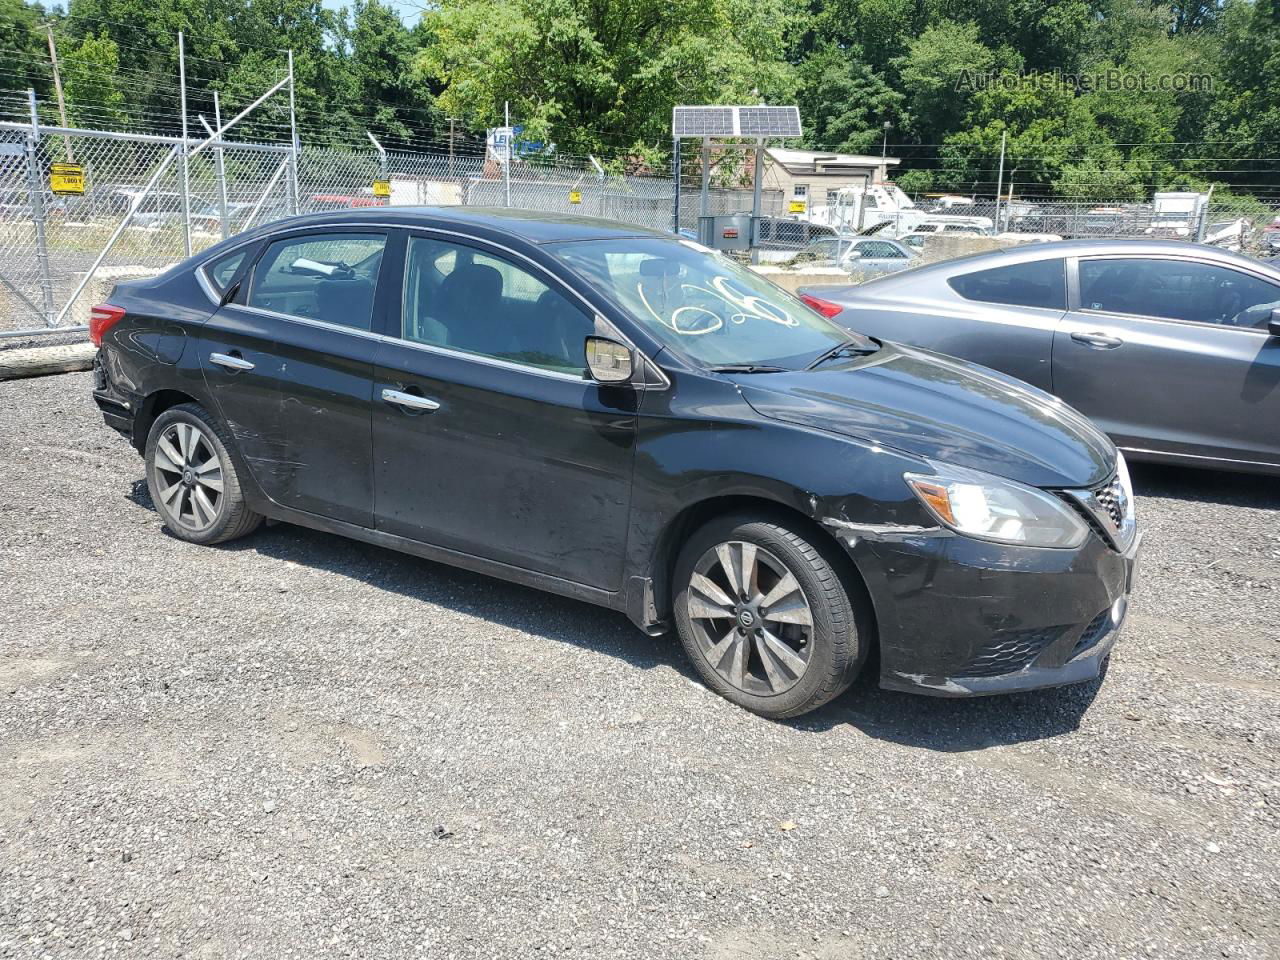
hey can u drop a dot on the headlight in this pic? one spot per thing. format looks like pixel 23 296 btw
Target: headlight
pixel 990 508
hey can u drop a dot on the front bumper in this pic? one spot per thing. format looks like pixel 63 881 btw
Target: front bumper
pixel 959 617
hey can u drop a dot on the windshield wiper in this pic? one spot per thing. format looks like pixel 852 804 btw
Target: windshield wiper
pixel 748 368
pixel 849 348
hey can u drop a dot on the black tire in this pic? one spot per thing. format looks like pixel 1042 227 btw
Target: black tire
pixel 231 516
pixel 834 646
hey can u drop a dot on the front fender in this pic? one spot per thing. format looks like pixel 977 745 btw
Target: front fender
pixel 714 447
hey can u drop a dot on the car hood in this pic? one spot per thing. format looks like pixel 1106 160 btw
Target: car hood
pixel 943 409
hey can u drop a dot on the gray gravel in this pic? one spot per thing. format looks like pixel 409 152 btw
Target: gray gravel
pixel 298 746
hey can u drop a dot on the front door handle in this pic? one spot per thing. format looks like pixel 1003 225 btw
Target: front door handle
pixel 409 401
pixel 1103 341
pixel 230 362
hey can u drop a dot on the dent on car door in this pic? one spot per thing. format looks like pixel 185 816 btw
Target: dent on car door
pixel 290 363
pixel 487 438
pixel 1172 355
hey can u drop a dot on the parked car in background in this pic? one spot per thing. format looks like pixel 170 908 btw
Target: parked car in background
pixel 1172 347
pixel 861 255
pixel 623 416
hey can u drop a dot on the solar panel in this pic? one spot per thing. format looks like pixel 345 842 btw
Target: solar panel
pixel 735 121
pixel 769 121
pixel 702 122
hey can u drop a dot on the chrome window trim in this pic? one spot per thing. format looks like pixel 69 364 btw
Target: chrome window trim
pixel 1204 261
pixel 581 378
pixel 399 341
pixel 308 321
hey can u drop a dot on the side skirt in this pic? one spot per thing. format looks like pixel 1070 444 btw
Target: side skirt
pixel 453 558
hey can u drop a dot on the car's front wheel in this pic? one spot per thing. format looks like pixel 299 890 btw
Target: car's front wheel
pixel 765 616
pixel 193 480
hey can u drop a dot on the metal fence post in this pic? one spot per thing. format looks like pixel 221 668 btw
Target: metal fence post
pixel 221 171
pixel 675 195
pixel 36 187
pixel 186 166
pixel 294 200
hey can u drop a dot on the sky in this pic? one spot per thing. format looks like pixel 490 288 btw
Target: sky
pixel 409 11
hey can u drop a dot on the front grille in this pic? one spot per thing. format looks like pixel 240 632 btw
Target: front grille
pixel 1111 499
pixel 1106 507
pixel 1098 628
pixel 1010 652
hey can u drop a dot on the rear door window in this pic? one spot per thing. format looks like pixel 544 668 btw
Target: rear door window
pixel 329 277
pixel 1177 290
pixel 1039 283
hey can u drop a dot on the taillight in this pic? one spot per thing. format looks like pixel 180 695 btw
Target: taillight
pixel 102 318
pixel 824 307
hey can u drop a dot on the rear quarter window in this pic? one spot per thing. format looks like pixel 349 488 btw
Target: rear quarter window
pixel 1039 283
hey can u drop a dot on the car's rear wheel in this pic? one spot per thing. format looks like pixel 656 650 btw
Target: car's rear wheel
pixel 193 479
pixel 765 616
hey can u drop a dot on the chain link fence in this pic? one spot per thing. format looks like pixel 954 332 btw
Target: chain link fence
pixel 146 204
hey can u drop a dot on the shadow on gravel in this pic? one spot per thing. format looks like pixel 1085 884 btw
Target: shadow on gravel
pixel 1206 486
pixel 507 604
pixel 953 726
pixel 927 722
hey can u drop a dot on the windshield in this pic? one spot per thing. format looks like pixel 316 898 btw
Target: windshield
pixel 702 304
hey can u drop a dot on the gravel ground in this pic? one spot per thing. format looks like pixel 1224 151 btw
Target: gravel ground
pixel 299 746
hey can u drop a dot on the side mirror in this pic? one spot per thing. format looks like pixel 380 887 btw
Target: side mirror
pixel 1273 325
pixel 608 361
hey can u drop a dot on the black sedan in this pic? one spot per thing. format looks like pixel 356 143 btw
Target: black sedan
pixel 625 417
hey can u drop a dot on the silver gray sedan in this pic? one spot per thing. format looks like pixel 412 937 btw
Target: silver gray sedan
pixel 1173 348
pixel 869 256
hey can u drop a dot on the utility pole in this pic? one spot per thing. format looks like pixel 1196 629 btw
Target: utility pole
pixel 1000 181
pixel 57 86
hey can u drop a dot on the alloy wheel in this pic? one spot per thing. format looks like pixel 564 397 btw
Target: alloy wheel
pixel 750 618
pixel 188 476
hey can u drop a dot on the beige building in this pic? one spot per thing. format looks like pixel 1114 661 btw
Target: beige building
pixel 814 177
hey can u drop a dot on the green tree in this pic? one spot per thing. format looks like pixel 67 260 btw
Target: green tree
pixel 1048 128
pixel 91 82
pixel 22 51
pixel 589 75
pixel 844 103
pixel 941 72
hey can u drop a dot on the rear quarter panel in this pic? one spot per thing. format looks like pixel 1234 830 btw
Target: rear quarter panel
pixel 1014 340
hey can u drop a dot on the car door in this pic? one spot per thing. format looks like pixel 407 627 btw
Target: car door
pixel 289 362
pixel 488 439
pixel 1172 354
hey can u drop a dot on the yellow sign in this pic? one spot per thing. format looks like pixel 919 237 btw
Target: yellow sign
pixel 66 179
pixel 575 196
pixel 382 188
pixel 797 206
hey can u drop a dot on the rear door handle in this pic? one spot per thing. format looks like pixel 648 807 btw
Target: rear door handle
pixel 409 401
pixel 229 362
pixel 1102 341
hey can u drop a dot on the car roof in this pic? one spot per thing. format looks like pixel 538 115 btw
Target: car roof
pixel 528 225
pixel 1025 253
